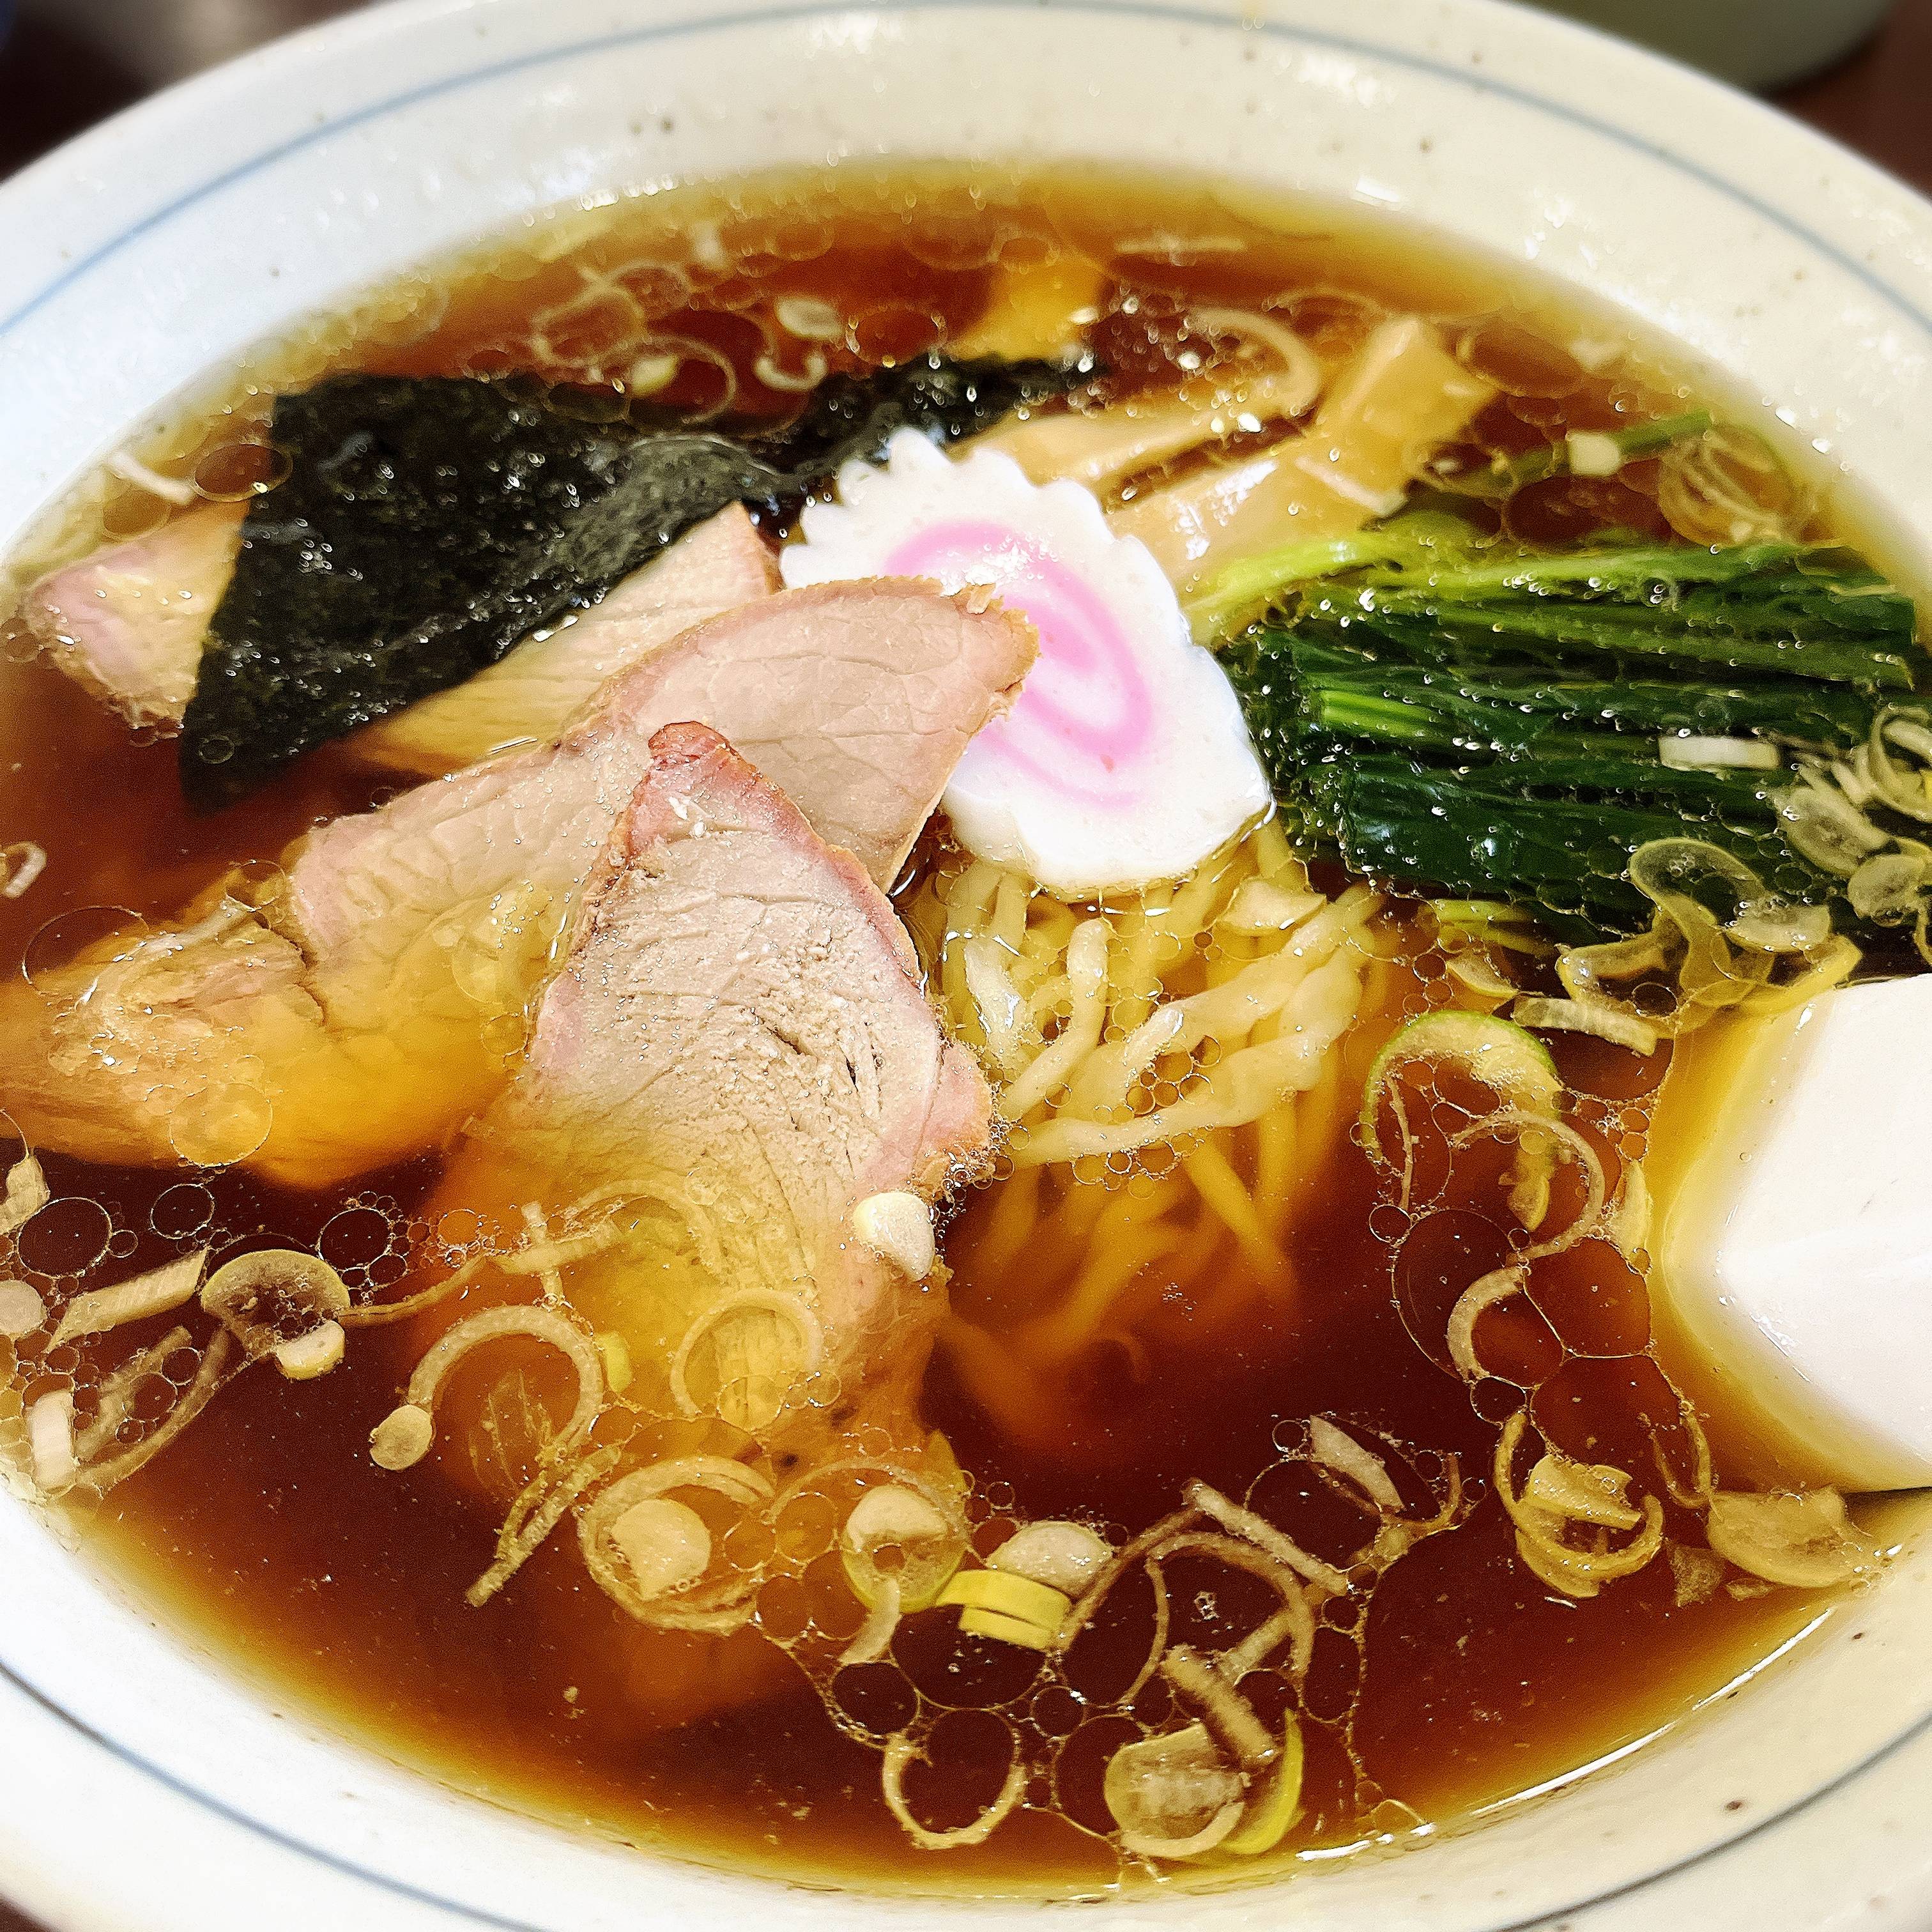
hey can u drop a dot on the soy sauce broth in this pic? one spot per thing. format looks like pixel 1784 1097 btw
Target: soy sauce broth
pixel 265 1531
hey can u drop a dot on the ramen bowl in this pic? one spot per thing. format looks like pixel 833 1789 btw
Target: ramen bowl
pixel 145 1780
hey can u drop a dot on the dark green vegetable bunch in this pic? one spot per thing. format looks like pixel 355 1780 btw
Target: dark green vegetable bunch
pixel 1482 718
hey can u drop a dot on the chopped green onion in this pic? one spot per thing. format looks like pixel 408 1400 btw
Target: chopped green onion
pixel 1001 1603
pixel 1020 1631
pixel 1591 1016
pixel 1686 752
pixel 1513 1064
pixel 1268 1820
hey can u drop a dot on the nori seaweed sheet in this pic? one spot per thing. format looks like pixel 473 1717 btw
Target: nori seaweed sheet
pixel 849 416
pixel 427 524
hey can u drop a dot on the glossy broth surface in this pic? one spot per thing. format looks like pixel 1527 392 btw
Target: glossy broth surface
pixel 266 1530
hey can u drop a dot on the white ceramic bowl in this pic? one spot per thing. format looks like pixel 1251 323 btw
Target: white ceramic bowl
pixel 140 1785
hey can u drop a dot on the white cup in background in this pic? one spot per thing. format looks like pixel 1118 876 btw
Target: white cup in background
pixel 1757 43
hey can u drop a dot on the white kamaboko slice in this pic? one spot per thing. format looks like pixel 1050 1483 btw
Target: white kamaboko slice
pixel 1124 760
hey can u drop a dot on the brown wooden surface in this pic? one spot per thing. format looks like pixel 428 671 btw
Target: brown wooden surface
pixel 69 63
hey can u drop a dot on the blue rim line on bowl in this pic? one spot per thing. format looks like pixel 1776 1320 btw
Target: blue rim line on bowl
pixel 1158 10
pixel 1146 9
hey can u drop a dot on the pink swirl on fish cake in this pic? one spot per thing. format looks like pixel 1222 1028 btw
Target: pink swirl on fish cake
pixel 1085 707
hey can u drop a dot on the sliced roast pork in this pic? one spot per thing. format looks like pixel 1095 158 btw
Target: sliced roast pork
pixel 530 695
pixel 349 1013
pixel 737 1053
pixel 363 1006
pixel 855 699
pixel 130 622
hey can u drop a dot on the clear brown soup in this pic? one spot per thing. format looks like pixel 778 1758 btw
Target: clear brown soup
pixel 266 1530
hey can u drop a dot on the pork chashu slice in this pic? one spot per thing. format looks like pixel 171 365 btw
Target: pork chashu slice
pixel 130 622
pixel 363 1009
pixel 855 699
pixel 348 1013
pixel 737 1052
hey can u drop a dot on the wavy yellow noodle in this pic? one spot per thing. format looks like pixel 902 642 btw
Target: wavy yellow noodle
pixel 1171 1062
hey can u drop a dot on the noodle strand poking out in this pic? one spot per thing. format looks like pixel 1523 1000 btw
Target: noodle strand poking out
pixel 1055 1064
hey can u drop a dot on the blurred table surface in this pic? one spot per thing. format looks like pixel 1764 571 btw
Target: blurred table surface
pixel 70 63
